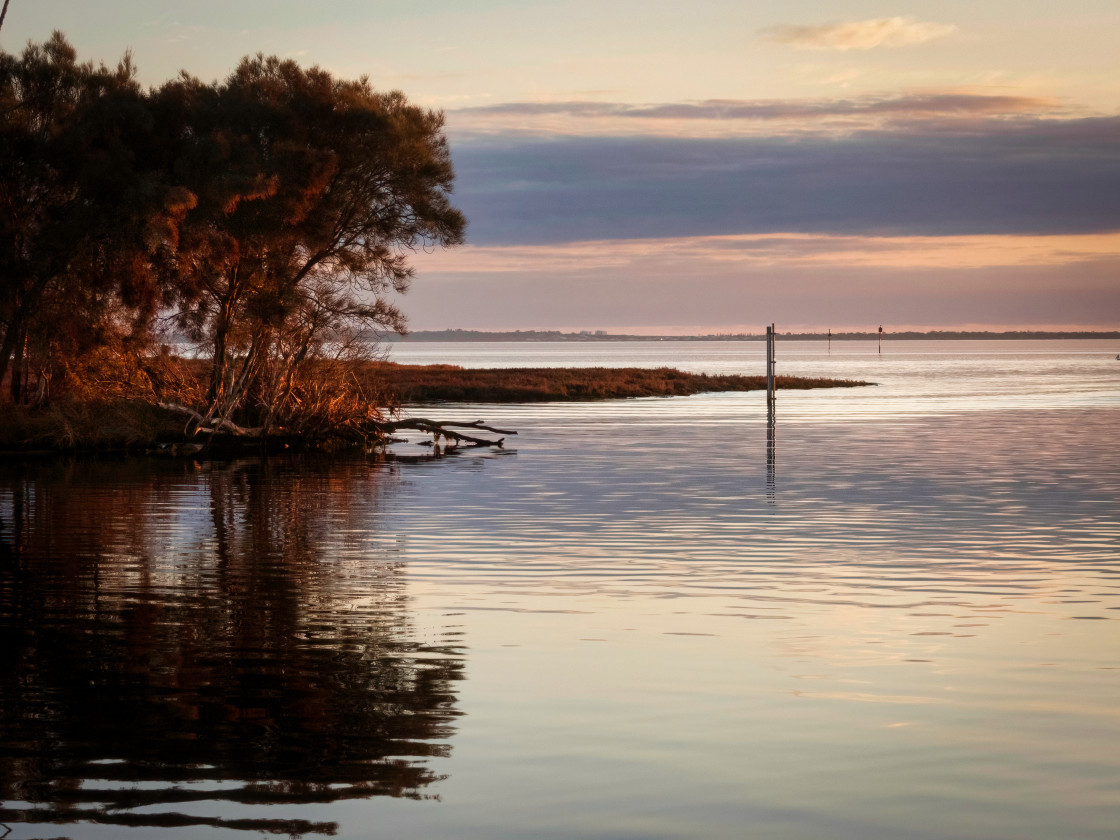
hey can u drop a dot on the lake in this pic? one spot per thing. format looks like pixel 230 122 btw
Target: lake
pixel 881 612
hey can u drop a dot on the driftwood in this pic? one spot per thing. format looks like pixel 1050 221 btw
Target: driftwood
pixel 381 430
pixel 213 425
pixel 442 429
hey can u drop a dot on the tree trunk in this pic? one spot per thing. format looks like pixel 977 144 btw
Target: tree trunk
pixel 218 363
pixel 222 326
pixel 16 333
pixel 238 385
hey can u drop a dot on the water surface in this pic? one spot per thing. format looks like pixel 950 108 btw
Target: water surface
pixel 894 614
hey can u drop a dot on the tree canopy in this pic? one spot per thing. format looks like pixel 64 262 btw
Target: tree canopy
pixel 74 200
pixel 266 217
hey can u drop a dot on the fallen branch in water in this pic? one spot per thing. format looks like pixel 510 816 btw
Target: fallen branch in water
pixel 441 429
pixel 362 429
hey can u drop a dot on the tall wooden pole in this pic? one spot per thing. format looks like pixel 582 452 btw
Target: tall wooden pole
pixel 771 347
pixel 3 14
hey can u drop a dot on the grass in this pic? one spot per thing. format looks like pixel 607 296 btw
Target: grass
pixel 111 420
pixel 450 383
pixel 106 425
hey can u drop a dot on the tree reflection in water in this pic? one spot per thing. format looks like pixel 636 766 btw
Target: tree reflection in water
pixel 223 635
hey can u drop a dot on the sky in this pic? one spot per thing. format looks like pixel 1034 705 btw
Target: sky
pixel 713 166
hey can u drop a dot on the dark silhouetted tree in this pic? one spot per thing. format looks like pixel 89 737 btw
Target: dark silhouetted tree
pixel 311 194
pixel 269 216
pixel 82 206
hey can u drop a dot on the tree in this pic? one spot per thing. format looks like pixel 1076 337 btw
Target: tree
pixel 269 217
pixel 311 194
pixel 82 205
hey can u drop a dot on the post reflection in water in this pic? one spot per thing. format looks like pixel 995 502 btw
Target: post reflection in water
pixel 207 638
pixel 771 452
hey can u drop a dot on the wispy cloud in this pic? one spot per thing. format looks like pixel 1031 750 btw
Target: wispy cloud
pixel 176 33
pixel 781 249
pixel 859 34
pixel 927 103
pixel 745 281
pixel 738 117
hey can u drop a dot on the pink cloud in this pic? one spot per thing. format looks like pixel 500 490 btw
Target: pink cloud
pixel 891 32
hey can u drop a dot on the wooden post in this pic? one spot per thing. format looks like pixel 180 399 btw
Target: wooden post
pixel 771 348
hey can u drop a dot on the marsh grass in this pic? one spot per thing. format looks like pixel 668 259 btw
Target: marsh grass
pixel 107 424
pixel 450 383
pixel 105 409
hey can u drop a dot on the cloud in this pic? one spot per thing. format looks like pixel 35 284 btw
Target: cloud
pixel 996 176
pixel 780 249
pixel 936 208
pixel 859 35
pixel 917 103
pixel 725 282
pixel 675 295
pixel 722 117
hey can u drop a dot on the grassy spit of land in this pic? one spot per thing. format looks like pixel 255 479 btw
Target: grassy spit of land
pixel 450 383
pixel 122 423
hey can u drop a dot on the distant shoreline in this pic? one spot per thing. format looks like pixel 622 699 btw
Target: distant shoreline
pixel 555 335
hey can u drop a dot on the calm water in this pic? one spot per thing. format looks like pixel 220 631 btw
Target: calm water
pixel 892 614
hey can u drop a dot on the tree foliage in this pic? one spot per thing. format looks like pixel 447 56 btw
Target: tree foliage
pixel 268 217
pixel 78 195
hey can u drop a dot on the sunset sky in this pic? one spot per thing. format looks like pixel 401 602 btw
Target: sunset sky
pixel 710 166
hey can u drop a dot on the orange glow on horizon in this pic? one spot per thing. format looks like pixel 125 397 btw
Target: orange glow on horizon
pixel 938 252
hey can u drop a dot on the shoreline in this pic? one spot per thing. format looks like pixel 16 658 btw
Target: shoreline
pixel 136 427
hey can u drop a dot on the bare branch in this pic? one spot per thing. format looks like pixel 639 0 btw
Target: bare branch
pixel 443 429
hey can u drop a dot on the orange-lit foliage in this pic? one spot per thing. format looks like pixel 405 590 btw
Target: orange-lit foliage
pixel 264 217
pixel 82 205
pixel 312 191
